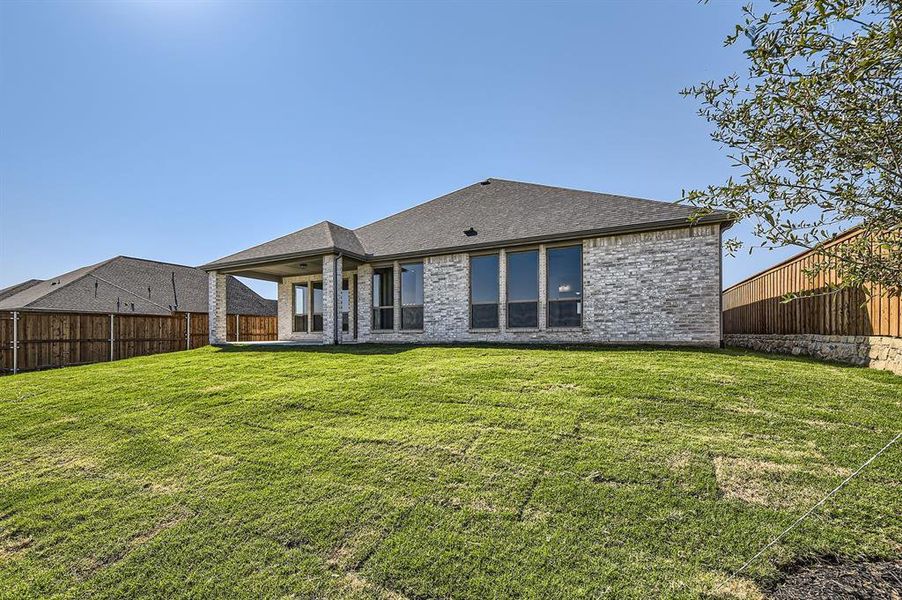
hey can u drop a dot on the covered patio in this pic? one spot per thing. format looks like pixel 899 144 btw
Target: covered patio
pixel 317 297
pixel 317 270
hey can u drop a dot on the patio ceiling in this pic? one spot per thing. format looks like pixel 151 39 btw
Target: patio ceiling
pixel 274 271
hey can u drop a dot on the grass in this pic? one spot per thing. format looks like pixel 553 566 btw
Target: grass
pixel 444 472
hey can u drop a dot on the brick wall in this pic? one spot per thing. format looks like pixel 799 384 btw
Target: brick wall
pixel 658 287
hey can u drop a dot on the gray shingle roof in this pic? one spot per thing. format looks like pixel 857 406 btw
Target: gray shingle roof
pixel 18 287
pixel 125 284
pixel 501 212
pixel 322 237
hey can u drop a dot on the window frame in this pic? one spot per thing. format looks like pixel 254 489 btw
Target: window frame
pixel 497 304
pixel 582 288
pixel 294 307
pixel 507 282
pixel 374 307
pixel 401 299
pixel 313 313
pixel 345 315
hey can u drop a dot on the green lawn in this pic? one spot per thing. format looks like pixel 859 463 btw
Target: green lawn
pixel 445 472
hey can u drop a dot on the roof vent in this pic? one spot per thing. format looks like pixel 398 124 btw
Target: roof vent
pixel 470 232
pixel 486 182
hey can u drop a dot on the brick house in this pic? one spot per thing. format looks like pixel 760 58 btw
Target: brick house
pixel 497 261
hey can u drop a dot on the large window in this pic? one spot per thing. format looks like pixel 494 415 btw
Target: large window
pixel 565 287
pixel 383 299
pixel 345 304
pixel 412 296
pixel 317 287
pixel 523 289
pixel 300 308
pixel 484 292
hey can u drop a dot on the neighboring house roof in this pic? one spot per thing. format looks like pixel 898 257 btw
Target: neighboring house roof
pixel 125 284
pixel 18 287
pixel 501 212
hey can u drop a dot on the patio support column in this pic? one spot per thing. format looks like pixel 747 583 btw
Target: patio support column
pixel 364 301
pixel 352 298
pixel 285 309
pixel 216 307
pixel 331 295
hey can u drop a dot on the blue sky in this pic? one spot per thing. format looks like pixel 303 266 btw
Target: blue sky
pixel 186 131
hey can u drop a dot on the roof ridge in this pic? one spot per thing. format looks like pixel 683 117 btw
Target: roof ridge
pixel 497 204
pixel 14 289
pixel 151 260
pixel 437 198
pixel 281 237
pixel 569 189
pixel 333 227
pixel 330 225
pixel 31 280
pixel 87 271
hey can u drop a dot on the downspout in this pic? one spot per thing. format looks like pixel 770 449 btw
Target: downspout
pixel 720 285
pixel 336 298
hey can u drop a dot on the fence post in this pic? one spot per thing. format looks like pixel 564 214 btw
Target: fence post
pixel 112 338
pixel 188 333
pixel 237 328
pixel 15 342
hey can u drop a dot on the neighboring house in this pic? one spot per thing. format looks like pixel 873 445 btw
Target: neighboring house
pixel 130 285
pixel 19 287
pixel 496 261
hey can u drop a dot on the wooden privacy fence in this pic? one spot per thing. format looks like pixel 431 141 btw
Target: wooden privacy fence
pixel 41 340
pixel 755 306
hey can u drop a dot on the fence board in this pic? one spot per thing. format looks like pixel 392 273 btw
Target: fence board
pixel 755 305
pixel 58 339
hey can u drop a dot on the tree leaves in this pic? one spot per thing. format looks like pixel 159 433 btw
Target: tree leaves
pixel 814 129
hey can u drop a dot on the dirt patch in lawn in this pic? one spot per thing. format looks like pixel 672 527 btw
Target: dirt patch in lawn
pixel 760 482
pixel 13 544
pixel 358 584
pixel 355 549
pixel 842 581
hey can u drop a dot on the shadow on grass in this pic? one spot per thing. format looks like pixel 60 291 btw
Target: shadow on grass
pixel 360 349
pixel 367 349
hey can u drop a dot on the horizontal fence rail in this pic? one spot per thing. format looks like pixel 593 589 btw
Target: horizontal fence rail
pixel 32 341
pixel 756 306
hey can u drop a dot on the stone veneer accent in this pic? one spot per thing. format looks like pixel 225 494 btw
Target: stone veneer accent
pixel 877 352
pixel 659 287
